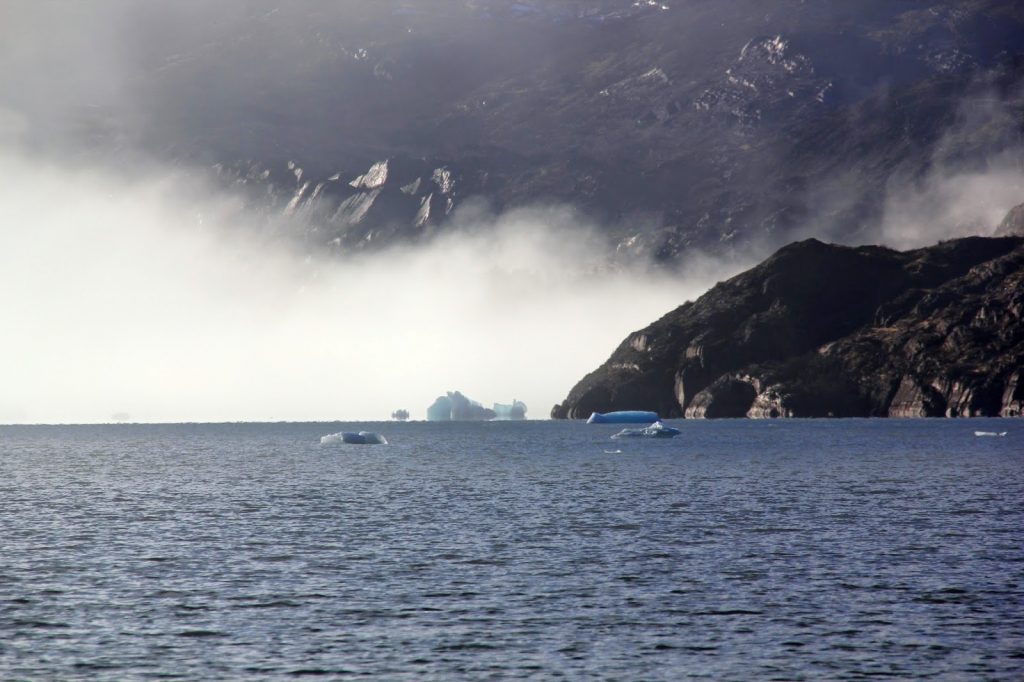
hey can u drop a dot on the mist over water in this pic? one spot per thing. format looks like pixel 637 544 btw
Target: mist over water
pixel 150 299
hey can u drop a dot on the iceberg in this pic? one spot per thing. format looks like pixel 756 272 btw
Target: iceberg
pixel 400 415
pixel 351 438
pixel 655 430
pixel 625 417
pixel 457 407
pixel 514 412
pixel 440 411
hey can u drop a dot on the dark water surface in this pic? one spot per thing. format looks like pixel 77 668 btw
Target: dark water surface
pixel 741 550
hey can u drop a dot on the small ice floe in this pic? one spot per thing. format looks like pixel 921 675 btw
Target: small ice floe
pixel 613 452
pixel 990 433
pixel 655 430
pixel 623 417
pixel 361 438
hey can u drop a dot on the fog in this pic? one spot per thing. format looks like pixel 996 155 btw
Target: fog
pixel 129 288
pixel 948 205
pixel 129 291
pixel 143 299
pixel 954 198
pixel 950 202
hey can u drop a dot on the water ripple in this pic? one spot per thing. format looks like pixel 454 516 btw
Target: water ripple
pixel 512 550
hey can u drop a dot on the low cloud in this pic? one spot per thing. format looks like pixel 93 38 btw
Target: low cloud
pixel 976 176
pixel 948 205
pixel 152 299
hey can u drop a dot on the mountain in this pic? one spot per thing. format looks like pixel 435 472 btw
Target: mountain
pixel 823 330
pixel 676 124
pixel 1013 224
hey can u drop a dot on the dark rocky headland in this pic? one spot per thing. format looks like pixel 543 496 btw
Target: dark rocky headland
pixel 821 330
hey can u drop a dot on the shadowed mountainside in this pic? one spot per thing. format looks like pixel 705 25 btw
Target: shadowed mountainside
pixel 824 330
pixel 675 124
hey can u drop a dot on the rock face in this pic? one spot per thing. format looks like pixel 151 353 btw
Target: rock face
pixel 675 124
pixel 392 200
pixel 822 330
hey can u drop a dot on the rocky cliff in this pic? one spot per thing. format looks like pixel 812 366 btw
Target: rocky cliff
pixel 823 330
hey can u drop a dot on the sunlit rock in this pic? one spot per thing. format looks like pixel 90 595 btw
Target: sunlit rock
pixel 623 417
pixel 373 178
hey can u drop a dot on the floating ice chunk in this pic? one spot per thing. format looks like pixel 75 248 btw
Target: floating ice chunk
pixel 625 417
pixel 655 430
pixel 514 412
pixel 457 407
pixel 361 438
pixel 440 410
pixel 990 433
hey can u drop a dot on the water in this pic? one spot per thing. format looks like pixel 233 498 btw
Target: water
pixel 741 550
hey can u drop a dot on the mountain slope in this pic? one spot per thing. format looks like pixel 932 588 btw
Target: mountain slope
pixel 827 330
pixel 677 124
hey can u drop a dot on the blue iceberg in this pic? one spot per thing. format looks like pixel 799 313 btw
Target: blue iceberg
pixel 351 438
pixel 655 430
pixel 514 412
pixel 626 417
pixel 457 407
pixel 440 410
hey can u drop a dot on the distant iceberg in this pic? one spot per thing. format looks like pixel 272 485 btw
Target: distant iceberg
pixel 440 410
pixel 457 407
pixel 350 438
pixel 514 412
pixel 655 430
pixel 400 415
pixel 625 417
